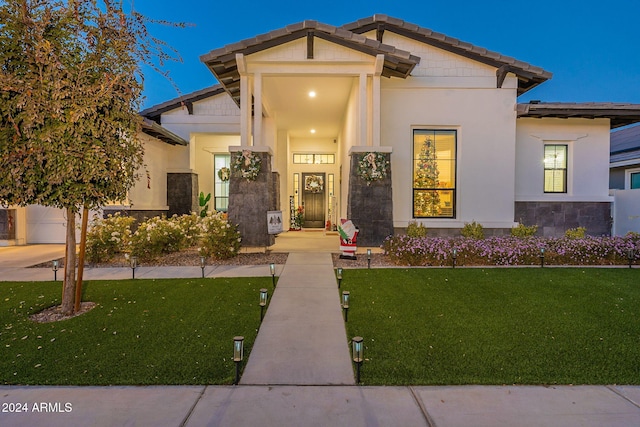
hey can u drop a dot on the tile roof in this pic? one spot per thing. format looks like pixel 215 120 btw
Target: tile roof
pixel 529 75
pixel 619 114
pixel 626 142
pixel 154 112
pixel 153 129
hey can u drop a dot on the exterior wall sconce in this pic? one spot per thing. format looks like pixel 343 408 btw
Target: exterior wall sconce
pixel 631 256
pixel 454 257
pixel 339 276
pixel 134 265
pixel 263 302
pixel 55 266
pixel 238 355
pixel 368 258
pixel 357 353
pixel 272 270
pixel 542 257
pixel 345 304
pixel 203 264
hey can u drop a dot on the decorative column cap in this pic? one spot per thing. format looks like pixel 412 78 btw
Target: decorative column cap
pixel 252 148
pixel 359 149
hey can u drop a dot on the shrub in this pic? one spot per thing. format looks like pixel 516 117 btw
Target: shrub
pixel 472 230
pixel 522 230
pixel 107 237
pixel 219 238
pixel 189 227
pixel 575 233
pixel 415 229
pixel 157 236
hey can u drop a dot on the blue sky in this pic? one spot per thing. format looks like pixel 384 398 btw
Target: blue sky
pixel 592 47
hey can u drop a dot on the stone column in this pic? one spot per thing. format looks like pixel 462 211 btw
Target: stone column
pixel 249 201
pixel 369 203
pixel 182 193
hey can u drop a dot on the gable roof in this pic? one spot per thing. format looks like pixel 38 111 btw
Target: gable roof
pixel 619 114
pixel 625 145
pixel 528 75
pixel 222 61
pixel 154 112
pixel 153 129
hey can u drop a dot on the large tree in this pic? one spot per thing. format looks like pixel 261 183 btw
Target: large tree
pixel 70 89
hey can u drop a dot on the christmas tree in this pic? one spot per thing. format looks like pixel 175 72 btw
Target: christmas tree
pixel 427 202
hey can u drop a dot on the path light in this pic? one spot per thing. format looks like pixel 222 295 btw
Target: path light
pixel 630 257
pixel 345 304
pixel 263 302
pixel 542 257
pixel 202 264
pixel 454 257
pixel 272 270
pixel 238 355
pixel 339 276
pixel 357 353
pixel 134 265
pixel 55 266
pixel 368 258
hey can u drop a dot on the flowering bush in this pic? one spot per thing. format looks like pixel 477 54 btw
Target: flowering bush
pixel 219 238
pixel 298 219
pixel 107 237
pixel 156 236
pixel 406 250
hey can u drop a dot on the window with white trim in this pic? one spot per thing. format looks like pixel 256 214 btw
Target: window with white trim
pixel 555 168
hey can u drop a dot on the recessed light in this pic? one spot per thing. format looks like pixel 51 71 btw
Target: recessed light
pixel 312 94
pixel 313 131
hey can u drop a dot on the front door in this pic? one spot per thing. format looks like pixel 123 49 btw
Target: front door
pixel 313 196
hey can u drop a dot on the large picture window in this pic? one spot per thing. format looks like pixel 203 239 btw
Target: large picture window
pixel 434 173
pixel 555 168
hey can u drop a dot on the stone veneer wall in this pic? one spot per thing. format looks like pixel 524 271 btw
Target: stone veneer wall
pixel 554 218
pixel 182 193
pixel 249 202
pixel 370 207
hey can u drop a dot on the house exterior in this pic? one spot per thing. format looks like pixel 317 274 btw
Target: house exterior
pixel 382 122
pixel 624 179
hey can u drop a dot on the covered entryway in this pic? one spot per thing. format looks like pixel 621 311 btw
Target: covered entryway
pixel 313 199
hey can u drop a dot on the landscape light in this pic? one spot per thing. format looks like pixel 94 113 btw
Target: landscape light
pixel 339 276
pixel 454 257
pixel 542 257
pixel 263 302
pixel 345 304
pixel 134 265
pixel 202 264
pixel 272 270
pixel 368 258
pixel 357 353
pixel 631 256
pixel 238 355
pixel 55 266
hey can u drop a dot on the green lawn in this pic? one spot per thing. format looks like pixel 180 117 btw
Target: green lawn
pixel 497 325
pixel 141 332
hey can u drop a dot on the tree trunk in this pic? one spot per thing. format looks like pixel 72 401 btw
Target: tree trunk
pixel 83 247
pixel 69 287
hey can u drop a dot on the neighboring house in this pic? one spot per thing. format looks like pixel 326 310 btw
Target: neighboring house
pixel 624 179
pixel 311 100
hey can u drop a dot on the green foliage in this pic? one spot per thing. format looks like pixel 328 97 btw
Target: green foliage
pixel 219 239
pixel 157 236
pixel 141 332
pixel 203 203
pixel 522 230
pixel 575 233
pixel 108 237
pixel 472 230
pixel 415 229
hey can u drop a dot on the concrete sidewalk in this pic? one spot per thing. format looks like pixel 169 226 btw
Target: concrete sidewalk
pixel 283 406
pixel 302 339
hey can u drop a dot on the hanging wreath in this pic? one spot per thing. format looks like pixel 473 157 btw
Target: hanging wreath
pixel 313 183
pixel 373 166
pixel 247 164
pixel 224 173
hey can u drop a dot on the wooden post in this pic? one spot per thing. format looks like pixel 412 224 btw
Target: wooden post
pixel 83 245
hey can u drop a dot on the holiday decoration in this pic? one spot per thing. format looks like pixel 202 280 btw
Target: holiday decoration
pixel 373 166
pixel 224 173
pixel 426 199
pixel 247 164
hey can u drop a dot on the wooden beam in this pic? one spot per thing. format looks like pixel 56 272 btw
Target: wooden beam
pixel 501 74
pixel 380 32
pixel 310 45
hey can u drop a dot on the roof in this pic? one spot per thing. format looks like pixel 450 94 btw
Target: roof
pixel 625 145
pixel 619 114
pixel 154 112
pixel 528 75
pixel 222 61
pixel 153 129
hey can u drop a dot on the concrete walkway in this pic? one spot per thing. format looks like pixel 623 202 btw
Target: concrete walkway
pixel 302 339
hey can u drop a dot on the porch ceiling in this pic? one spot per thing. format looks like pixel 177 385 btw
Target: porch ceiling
pixel 287 100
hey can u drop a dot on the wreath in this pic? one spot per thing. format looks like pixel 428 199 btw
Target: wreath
pixel 247 164
pixel 313 183
pixel 224 173
pixel 373 166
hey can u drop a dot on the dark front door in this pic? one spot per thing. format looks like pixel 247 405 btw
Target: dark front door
pixel 313 195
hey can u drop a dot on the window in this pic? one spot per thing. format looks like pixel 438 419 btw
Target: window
pixel 634 180
pixel 221 174
pixel 434 173
pixel 555 168
pixel 317 159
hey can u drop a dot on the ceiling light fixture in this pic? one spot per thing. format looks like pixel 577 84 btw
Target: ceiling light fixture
pixel 313 131
pixel 312 94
